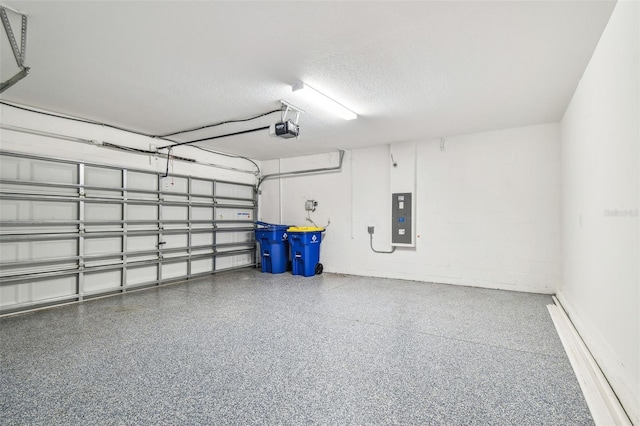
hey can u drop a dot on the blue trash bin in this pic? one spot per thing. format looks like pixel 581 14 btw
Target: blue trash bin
pixel 304 243
pixel 274 248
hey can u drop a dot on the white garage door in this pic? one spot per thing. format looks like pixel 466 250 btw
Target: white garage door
pixel 71 231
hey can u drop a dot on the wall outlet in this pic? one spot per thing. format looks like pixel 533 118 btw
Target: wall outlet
pixel 370 229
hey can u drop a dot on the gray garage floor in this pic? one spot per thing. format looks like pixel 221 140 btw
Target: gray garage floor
pixel 251 348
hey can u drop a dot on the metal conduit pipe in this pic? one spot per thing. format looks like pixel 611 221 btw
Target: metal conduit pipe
pixel 300 172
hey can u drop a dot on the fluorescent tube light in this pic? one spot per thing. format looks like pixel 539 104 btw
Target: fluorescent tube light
pixel 324 101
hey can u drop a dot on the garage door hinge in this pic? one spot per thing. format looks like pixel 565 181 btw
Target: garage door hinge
pixel 81 228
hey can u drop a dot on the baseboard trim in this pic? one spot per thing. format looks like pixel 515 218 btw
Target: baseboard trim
pixel 602 401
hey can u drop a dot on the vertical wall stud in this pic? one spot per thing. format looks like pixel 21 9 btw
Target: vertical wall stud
pixel 81 230
pixel 189 219
pixel 160 227
pixel 214 241
pixel 125 218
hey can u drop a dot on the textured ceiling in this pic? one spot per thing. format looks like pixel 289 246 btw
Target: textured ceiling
pixel 411 70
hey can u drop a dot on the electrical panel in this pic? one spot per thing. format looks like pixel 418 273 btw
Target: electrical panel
pixel 402 219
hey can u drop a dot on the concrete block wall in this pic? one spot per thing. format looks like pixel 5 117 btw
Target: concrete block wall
pixel 488 209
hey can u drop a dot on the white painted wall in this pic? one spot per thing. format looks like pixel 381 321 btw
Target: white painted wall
pixel 403 180
pixel 488 209
pixel 600 163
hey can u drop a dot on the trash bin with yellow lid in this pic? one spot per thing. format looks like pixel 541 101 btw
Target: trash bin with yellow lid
pixel 304 244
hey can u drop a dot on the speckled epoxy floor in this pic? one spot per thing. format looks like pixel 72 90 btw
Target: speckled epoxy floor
pixel 251 348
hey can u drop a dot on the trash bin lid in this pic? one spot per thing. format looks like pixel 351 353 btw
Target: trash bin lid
pixel 305 229
pixel 270 226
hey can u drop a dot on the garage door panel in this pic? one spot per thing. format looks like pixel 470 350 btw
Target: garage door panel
pixel 112 261
pixel 234 214
pixel 99 193
pixel 201 239
pixel 175 241
pixel 133 195
pixel 97 246
pixel 24 251
pixel 100 281
pixel 173 254
pixel 175 185
pixel 175 213
pixel 196 252
pixel 200 266
pixel 234 237
pixel 52 210
pixel 141 258
pixel 142 243
pixel 51 249
pixel 202 213
pixel 25 210
pixel 13 251
pixel 10 167
pixel 45 171
pixel 142 212
pixel 224 189
pixel 142 181
pixel 174 270
pixel 201 187
pixel 41 190
pixel 142 275
pixel 54 288
pixel 99 211
pixel 12 210
pixel 137 212
pixel 15 293
pixel 116 238
pixel 103 177
pixel 204 201
pixel 225 262
pixel 9 294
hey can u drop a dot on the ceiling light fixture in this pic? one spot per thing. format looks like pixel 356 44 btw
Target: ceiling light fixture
pixel 324 101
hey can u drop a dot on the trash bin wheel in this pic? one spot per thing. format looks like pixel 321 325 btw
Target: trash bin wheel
pixel 319 268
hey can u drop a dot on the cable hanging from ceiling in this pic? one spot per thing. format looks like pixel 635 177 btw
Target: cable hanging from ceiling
pixel 220 123
pixel 241 132
pixel 174 143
